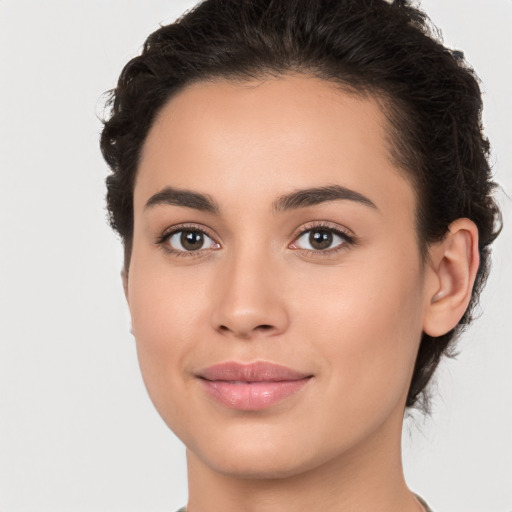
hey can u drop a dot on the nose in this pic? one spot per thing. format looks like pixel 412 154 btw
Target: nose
pixel 250 298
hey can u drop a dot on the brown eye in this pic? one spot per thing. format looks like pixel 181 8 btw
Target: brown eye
pixel 321 239
pixel 188 240
pixel 191 240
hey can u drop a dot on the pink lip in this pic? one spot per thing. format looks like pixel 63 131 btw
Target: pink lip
pixel 251 387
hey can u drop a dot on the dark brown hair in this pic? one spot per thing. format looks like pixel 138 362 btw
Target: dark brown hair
pixel 429 94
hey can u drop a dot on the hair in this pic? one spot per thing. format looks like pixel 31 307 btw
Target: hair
pixel 384 50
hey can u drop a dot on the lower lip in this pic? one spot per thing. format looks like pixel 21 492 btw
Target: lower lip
pixel 252 396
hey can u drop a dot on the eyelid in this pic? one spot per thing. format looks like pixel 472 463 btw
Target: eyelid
pixel 326 225
pixel 346 234
pixel 187 226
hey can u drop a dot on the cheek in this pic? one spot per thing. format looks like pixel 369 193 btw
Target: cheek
pixel 164 305
pixel 166 313
pixel 366 325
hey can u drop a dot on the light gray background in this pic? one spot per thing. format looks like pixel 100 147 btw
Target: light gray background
pixel 77 430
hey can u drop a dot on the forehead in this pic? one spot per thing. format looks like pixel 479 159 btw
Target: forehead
pixel 269 137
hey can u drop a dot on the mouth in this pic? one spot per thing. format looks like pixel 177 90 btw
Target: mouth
pixel 251 387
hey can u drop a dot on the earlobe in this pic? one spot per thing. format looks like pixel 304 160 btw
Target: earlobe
pixel 453 266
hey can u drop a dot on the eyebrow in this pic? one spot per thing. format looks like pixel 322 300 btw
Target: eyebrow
pixel 186 198
pixel 312 196
pixel 298 199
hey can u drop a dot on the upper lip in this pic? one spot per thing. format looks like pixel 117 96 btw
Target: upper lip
pixel 260 371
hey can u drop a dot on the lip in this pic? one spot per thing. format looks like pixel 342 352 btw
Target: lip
pixel 251 387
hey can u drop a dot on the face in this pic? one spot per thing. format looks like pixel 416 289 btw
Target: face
pixel 275 286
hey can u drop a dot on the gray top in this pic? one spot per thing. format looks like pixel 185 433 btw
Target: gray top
pixel 420 499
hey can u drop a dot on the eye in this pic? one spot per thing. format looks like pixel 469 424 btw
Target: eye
pixel 321 238
pixel 189 240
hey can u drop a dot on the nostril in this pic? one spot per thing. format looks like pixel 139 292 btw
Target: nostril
pixel 245 334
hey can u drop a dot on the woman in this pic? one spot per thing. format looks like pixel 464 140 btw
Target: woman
pixel 304 198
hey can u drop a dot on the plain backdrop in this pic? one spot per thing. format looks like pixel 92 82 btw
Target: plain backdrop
pixel 77 430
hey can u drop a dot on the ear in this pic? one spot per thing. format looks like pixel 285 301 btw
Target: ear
pixel 451 274
pixel 124 278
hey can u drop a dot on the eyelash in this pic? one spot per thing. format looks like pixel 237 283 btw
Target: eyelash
pixel 348 239
pixel 163 240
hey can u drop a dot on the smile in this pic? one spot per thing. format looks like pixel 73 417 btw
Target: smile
pixel 251 387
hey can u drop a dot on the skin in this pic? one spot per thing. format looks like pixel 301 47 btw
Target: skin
pixel 352 315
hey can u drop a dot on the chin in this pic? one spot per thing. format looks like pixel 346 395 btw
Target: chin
pixel 257 452
pixel 256 464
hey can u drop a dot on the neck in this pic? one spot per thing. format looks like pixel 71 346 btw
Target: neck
pixel 369 477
